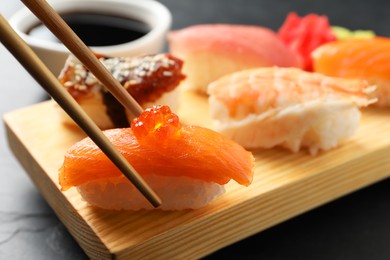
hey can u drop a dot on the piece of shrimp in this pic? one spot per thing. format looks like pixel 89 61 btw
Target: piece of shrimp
pixel 267 107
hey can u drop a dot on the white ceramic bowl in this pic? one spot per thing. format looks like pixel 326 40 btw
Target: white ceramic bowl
pixel 53 54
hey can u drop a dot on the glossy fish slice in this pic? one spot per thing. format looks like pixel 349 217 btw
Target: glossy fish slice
pixel 367 59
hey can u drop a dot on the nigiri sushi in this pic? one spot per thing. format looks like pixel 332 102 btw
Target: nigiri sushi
pixel 267 107
pixel 367 59
pixel 151 79
pixel 186 166
pixel 210 51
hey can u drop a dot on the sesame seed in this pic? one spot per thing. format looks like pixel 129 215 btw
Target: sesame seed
pixel 90 80
pixel 82 87
pixel 125 69
pixel 68 84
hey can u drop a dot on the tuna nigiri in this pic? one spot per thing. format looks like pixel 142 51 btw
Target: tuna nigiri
pixel 150 79
pixel 367 59
pixel 210 51
pixel 186 166
pixel 267 107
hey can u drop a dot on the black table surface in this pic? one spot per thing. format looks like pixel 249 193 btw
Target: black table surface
pixel 356 226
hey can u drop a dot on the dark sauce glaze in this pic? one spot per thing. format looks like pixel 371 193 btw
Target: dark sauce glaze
pixel 115 110
pixel 97 29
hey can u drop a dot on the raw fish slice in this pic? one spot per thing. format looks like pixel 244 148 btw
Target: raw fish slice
pixel 210 51
pixel 150 79
pixel 267 107
pixel 172 156
pixel 367 59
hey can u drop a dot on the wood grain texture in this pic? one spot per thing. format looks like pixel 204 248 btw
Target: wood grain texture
pixel 285 185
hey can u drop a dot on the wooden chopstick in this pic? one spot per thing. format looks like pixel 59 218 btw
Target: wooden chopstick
pixel 68 37
pixel 50 83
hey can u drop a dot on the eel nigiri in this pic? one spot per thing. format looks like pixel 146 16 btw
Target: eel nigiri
pixel 367 59
pixel 186 166
pixel 267 107
pixel 210 51
pixel 150 79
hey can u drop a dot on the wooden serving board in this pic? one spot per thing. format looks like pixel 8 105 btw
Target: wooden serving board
pixel 285 185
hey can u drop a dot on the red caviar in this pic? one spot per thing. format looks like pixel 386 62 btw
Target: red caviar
pixel 156 124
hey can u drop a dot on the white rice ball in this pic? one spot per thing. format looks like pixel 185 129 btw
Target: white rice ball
pixel 176 193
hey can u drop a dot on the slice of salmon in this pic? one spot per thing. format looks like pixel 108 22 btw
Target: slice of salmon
pixel 367 59
pixel 157 144
pixel 354 58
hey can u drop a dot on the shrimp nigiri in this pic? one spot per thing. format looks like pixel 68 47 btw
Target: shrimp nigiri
pixel 367 59
pixel 210 51
pixel 150 79
pixel 186 166
pixel 267 107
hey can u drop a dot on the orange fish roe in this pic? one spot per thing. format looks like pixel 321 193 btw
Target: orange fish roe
pixel 156 124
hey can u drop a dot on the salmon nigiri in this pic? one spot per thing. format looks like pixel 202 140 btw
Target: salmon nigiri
pixel 186 166
pixel 267 107
pixel 367 59
pixel 210 51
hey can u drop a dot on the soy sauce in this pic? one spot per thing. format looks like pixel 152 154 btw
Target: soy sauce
pixel 97 29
